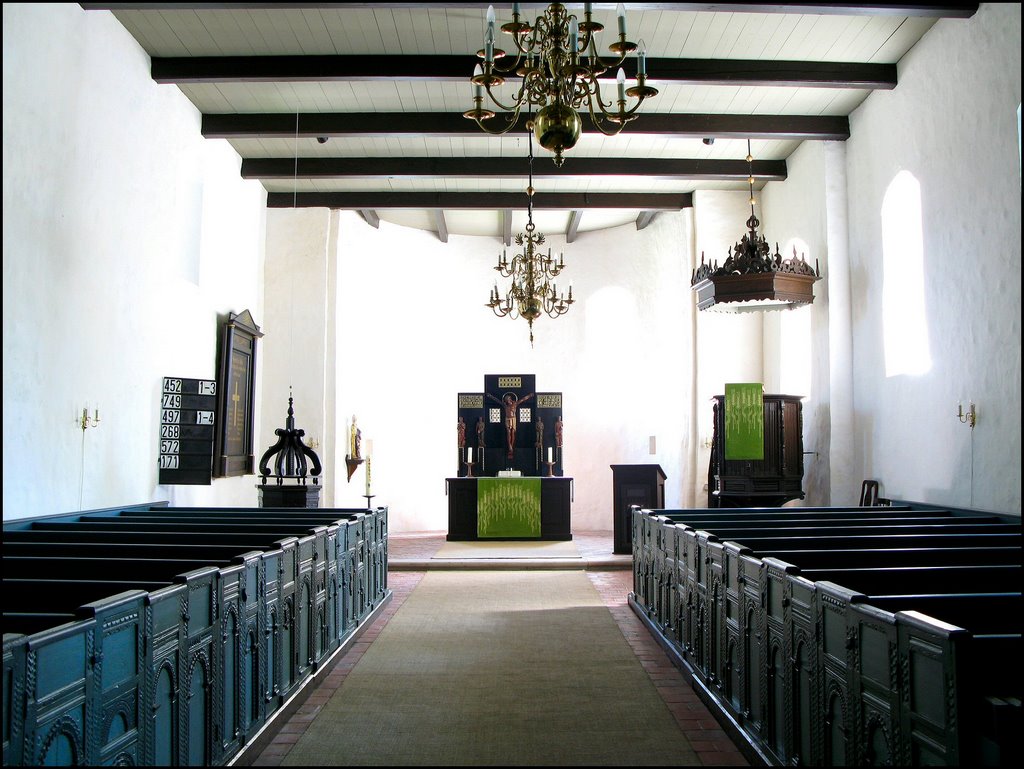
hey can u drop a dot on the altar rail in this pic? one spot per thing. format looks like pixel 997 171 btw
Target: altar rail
pixel 152 635
pixel 843 636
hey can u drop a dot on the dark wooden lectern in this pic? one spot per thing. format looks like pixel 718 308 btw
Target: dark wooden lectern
pixel 642 485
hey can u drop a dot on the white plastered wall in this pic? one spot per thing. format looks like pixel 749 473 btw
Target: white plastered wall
pixel 807 350
pixel 952 124
pixel 412 332
pixel 126 237
pixel 729 347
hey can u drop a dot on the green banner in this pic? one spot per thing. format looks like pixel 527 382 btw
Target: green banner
pixel 744 421
pixel 508 507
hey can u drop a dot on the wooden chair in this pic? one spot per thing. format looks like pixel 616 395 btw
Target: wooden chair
pixel 869 494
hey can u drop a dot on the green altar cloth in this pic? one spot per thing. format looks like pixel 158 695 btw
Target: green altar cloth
pixel 744 421
pixel 508 507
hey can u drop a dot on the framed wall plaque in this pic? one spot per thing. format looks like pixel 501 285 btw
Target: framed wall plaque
pixel 236 384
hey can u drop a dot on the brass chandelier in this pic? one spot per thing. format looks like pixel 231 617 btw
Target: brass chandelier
pixel 752 278
pixel 533 291
pixel 557 60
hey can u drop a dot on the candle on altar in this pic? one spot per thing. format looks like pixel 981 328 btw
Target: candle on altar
pixel 469 455
pixel 367 476
pixel 549 454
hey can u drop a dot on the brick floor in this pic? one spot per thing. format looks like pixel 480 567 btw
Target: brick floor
pixel 712 745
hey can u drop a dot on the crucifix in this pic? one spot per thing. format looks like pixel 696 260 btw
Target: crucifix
pixel 510 404
pixel 234 409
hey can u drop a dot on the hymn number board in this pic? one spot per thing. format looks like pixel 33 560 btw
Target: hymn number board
pixel 187 415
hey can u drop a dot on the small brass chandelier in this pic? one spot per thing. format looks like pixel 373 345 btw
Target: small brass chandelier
pixel 752 278
pixel 533 290
pixel 557 60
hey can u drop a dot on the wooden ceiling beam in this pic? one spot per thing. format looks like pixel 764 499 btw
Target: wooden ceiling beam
pixel 441 225
pixel 182 70
pixel 476 201
pixel 504 167
pixel 574 226
pixel 645 218
pixel 420 124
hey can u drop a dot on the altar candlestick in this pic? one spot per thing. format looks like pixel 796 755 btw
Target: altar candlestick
pixel 367 476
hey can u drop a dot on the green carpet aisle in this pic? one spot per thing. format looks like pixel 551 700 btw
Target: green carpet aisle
pixel 481 668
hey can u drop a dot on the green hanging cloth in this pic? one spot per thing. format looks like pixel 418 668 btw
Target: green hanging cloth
pixel 744 421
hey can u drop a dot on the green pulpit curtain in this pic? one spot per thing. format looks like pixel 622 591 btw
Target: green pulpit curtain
pixel 508 507
pixel 744 421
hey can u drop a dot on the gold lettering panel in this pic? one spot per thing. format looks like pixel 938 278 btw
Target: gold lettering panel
pixel 471 401
pixel 549 401
pixel 510 381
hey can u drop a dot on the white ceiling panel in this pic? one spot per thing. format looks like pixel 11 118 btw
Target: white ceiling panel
pixel 182 31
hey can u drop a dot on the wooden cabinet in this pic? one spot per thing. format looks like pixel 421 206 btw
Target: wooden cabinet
pixel 769 482
pixel 642 485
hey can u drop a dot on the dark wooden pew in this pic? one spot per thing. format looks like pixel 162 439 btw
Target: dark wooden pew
pixel 164 637
pixel 920 580
pixel 197 527
pixel 896 557
pixel 876 541
pixel 983 613
pixel 101 567
pixel 212 518
pixel 924 614
pixel 254 540
pixel 54 595
pixel 738 531
pixel 139 550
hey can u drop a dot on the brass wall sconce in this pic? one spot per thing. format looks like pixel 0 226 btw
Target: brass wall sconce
pixel 86 421
pixel 969 417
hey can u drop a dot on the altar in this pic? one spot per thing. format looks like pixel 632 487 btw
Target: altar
pixel 509 483
pixel 509 508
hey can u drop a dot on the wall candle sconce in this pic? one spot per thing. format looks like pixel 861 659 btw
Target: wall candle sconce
pixel 969 417
pixel 85 422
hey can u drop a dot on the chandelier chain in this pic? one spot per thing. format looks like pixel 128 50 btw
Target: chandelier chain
pixel 532 291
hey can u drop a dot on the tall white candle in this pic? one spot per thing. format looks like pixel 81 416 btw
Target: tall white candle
pixel 469 455
pixel 549 454
pixel 367 476
pixel 489 35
